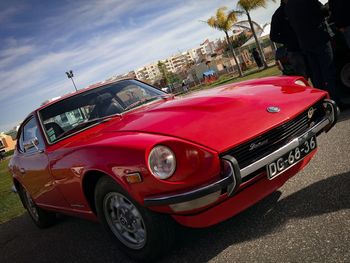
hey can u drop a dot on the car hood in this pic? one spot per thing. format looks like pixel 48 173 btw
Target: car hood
pixel 223 117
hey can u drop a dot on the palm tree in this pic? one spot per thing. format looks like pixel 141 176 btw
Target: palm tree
pixel 224 22
pixel 247 6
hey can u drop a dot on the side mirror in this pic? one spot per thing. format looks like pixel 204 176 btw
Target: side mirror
pixel 33 143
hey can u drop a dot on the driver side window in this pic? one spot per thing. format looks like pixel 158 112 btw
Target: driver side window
pixel 30 139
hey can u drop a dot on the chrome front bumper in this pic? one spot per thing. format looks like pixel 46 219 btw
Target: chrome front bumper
pixel 233 179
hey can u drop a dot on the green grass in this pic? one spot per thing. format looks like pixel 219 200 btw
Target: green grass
pixel 252 74
pixel 10 205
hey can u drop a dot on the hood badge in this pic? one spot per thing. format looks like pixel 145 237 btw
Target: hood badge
pixel 273 109
pixel 311 112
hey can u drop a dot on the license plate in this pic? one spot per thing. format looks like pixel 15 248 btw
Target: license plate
pixel 288 160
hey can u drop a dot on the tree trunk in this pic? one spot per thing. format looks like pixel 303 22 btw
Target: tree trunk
pixel 234 55
pixel 256 40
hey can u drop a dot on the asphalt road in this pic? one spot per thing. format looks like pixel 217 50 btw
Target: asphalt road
pixel 307 220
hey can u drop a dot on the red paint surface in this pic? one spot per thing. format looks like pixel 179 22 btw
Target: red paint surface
pixel 197 128
pixel 241 201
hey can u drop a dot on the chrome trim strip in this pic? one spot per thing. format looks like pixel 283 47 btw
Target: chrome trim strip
pixel 327 121
pixel 190 195
pixel 285 149
pixel 236 175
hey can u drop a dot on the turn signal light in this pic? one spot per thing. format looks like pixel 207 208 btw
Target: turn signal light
pixel 133 178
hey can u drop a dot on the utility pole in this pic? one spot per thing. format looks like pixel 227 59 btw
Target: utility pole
pixel 70 76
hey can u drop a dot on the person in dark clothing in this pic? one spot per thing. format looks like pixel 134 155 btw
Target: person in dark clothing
pixel 307 19
pixel 257 58
pixel 340 15
pixel 282 33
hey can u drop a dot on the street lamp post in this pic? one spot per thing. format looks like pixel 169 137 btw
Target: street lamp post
pixel 70 76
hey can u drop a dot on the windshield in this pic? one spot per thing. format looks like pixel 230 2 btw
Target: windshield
pixel 88 108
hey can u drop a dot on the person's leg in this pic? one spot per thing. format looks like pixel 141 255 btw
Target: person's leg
pixel 347 35
pixel 316 74
pixel 296 59
pixel 326 61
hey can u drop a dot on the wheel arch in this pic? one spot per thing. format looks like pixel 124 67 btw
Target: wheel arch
pixel 19 187
pixel 89 183
pixel 16 183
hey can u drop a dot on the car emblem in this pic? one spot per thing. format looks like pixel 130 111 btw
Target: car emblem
pixel 273 109
pixel 311 112
pixel 254 146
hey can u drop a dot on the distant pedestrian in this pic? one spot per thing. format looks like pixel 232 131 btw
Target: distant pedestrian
pixel 184 86
pixel 340 14
pixel 283 33
pixel 257 58
pixel 308 21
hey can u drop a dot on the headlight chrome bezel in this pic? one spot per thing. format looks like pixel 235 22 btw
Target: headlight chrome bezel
pixel 156 151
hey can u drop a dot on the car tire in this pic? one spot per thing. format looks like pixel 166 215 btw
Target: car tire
pixel 41 217
pixel 345 75
pixel 142 234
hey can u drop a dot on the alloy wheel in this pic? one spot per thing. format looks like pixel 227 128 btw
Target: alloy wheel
pixel 125 220
pixel 31 207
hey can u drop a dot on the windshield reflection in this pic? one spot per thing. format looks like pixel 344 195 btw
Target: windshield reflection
pixel 85 109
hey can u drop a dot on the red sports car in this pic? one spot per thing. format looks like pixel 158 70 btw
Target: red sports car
pixel 139 160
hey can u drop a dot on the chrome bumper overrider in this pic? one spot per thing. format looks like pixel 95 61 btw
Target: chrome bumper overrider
pixel 232 180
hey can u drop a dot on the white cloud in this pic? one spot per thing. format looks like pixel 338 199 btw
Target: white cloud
pixel 106 55
pixel 103 50
pixel 12 54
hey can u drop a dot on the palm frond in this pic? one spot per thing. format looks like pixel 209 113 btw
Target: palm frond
pixel 212 22
pixel 222 20
pixel 249 5
pixel 232 15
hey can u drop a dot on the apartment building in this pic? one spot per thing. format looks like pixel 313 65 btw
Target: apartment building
pixel 129 75
pixel 174 63
pixel 148 72
pixel 177 62
pixel 208 47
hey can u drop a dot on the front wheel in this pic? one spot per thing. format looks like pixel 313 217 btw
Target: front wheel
pixel 140 233
pixel 41 218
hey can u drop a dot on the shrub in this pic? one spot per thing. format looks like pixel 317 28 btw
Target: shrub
pixel 9 153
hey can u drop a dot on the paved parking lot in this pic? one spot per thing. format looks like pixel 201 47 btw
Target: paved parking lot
pixel 307 220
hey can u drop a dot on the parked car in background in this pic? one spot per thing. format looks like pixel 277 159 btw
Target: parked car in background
pixel 141 161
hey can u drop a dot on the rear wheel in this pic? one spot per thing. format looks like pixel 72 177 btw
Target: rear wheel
pixel 41 218
pixel 140 233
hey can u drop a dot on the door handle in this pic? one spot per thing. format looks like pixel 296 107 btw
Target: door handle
pixel 22 171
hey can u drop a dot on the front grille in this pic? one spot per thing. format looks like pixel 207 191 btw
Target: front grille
pixel 276 138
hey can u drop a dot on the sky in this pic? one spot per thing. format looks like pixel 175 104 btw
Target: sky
pixel 41 40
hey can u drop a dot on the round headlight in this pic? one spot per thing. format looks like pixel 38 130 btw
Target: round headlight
pixel 162 162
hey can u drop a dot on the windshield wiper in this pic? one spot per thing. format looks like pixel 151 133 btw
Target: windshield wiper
pixel 144 101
